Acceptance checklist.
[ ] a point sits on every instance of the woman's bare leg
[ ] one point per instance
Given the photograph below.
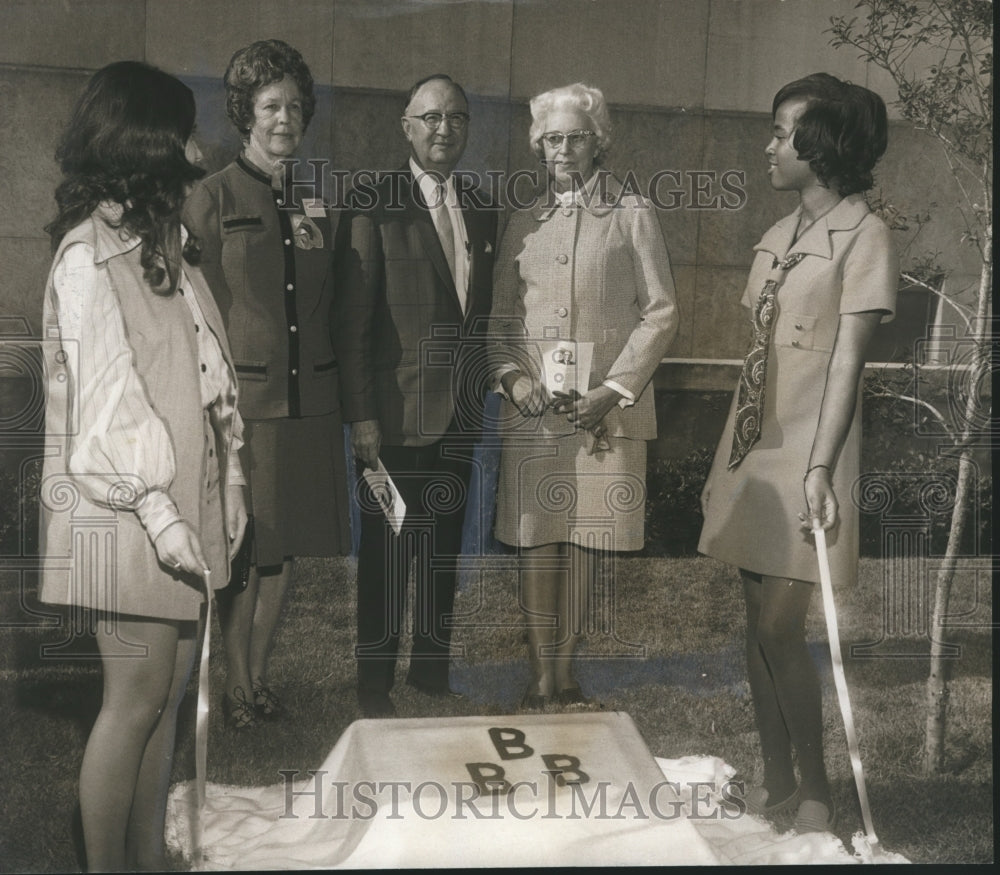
(540, 573)
(785, 686)
(139, 659)
(574, 602)
(236, 612)
(271, 593)
(149, 806)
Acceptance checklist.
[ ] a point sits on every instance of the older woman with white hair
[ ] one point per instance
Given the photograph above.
(584, 310)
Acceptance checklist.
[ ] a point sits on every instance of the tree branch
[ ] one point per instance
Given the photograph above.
(919, 402)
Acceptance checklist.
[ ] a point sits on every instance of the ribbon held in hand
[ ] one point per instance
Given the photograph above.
(600, 431)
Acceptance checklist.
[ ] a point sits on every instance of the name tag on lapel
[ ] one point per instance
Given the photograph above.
(314, 208)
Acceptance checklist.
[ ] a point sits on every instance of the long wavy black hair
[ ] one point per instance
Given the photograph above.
(842, 133)
(125, 144)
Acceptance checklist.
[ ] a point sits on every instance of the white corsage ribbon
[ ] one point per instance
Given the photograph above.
(306, 232)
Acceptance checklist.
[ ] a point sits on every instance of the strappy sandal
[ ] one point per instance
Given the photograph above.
(814, 816)
(265, 702)
(756, 802)
(240, 713)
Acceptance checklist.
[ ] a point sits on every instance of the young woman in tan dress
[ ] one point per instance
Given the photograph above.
(822, 280)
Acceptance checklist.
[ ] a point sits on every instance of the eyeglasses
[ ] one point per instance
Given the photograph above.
(554, 139)
(432, 120)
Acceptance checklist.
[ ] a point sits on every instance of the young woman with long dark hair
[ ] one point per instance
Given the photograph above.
(141, 502)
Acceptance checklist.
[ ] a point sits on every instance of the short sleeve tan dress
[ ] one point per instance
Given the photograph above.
(850, 266)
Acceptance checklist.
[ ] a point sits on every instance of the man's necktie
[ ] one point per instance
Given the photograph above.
(750, 397)
(447, 230)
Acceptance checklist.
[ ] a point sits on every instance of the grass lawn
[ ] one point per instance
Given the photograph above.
(666, 649)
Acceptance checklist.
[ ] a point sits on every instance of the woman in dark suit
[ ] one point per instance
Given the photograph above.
(269, 263)
(583, 273)
(141, 498)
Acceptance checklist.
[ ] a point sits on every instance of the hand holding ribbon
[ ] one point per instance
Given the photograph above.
(588, 411)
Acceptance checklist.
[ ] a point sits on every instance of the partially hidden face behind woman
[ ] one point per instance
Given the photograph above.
(192, 152)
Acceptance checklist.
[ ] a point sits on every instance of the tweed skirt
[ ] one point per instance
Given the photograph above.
(553, 491)
(297, 473)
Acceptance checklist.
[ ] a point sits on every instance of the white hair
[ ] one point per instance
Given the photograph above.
(590, 101)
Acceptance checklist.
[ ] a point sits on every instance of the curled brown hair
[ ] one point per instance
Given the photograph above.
(257, 65)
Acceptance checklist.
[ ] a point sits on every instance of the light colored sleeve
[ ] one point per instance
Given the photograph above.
(657, 302)
(235, 469)
(121, 456)
(871, 271)
(506, 326)
(627, 399)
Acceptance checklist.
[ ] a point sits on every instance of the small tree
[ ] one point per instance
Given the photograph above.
(951, 98)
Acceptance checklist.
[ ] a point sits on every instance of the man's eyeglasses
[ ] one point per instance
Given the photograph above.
(554, 139)
(432, 120)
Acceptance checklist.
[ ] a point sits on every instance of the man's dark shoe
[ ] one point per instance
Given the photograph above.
(376, 705)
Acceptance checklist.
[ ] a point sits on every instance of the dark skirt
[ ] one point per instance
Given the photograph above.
(297, 473)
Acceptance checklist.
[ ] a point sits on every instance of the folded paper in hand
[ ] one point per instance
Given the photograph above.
(566, 365)
(387, 495)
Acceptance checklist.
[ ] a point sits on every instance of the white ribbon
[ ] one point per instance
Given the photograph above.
(306, 232)
(201, 732)
(830, 610)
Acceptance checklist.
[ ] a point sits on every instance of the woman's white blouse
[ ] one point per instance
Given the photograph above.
(119, 433)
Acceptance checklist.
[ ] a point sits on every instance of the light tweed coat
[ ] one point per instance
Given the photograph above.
(595, 272)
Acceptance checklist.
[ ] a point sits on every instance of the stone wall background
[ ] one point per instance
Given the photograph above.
(690, 83)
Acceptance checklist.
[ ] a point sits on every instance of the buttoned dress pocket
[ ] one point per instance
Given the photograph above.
(796, 330)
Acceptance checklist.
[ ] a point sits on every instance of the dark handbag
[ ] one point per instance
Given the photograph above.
(239, 568)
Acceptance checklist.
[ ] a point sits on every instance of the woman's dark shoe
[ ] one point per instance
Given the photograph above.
(757, 799)
(814, 816)
(572, 697)
(265, 702)
(240, 713)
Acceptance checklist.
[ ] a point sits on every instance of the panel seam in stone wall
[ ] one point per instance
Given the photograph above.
(46, 68)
